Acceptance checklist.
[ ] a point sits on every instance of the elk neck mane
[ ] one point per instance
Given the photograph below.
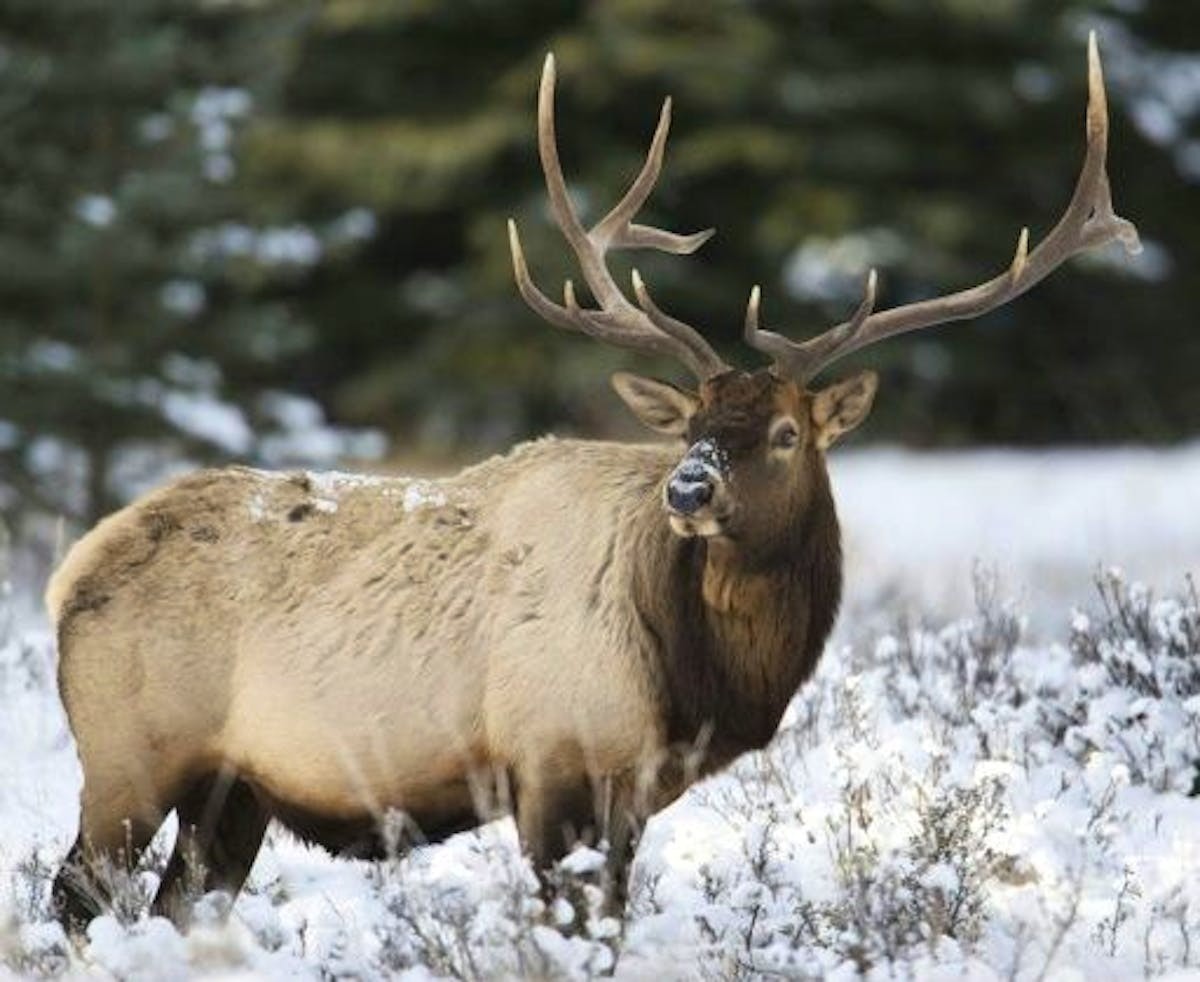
(735, 635)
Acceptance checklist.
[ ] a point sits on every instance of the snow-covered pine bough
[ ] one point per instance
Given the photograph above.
(574, 631)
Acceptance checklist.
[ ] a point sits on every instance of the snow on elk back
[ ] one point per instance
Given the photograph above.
(327, 488)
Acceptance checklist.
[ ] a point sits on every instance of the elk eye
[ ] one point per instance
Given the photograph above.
(784, 436)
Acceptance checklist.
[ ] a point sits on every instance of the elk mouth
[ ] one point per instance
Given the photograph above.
(696, 526)
(705, 523)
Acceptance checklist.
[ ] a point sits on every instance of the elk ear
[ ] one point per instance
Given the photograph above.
(659, 405)
(842, 406)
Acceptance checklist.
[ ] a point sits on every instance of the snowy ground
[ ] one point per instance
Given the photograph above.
(968, 788)
(915, 525)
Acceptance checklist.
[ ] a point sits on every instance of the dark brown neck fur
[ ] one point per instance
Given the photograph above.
(737, 635)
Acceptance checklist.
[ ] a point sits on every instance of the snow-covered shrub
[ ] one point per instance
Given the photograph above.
(894, 861)
(942, 800)
(948, 673)
(958, 794)
(35, 949)
(1125, 688)
(1137, 697)
(438, 919)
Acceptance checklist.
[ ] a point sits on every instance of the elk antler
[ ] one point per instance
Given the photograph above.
(1089, 221)
(643, 327)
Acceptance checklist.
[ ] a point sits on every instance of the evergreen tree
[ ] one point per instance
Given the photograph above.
(178, 257)
(142, 319)
(818, 137)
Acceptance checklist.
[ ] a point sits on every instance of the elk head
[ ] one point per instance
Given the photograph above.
(756, 440)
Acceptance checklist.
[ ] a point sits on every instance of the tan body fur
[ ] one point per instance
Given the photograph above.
(305, 633)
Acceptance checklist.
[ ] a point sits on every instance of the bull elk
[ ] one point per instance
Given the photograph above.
(568, 621)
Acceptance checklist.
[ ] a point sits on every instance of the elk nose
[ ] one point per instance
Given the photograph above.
(688, 491)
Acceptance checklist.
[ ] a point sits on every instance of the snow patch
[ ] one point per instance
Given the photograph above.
(208, 418)
(258, 507)
(332, 483)
(423, 494)
(97, 210)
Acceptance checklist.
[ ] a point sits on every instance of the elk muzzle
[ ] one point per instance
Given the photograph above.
(695, 492)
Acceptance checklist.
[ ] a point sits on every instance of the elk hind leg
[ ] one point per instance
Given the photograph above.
(95, 876)
(221, 828)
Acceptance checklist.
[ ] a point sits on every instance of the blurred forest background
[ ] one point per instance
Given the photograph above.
(274, 232)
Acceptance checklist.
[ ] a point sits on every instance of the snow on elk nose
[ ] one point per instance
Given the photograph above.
(688, 491)
(693, 483)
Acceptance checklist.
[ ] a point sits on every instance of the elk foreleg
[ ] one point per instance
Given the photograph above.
(552, 819)
(553, 816)
(555, 811)
(622, 835)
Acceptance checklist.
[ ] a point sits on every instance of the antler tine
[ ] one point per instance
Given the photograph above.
(617, 321)
(669, 325)
(623, 211)
(768, 342)
(784, 351)
(1087, 222)
(541, 304)
(590, 262)
(617, 228)
(596, 324)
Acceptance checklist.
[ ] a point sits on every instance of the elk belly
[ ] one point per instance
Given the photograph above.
(341, 742)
